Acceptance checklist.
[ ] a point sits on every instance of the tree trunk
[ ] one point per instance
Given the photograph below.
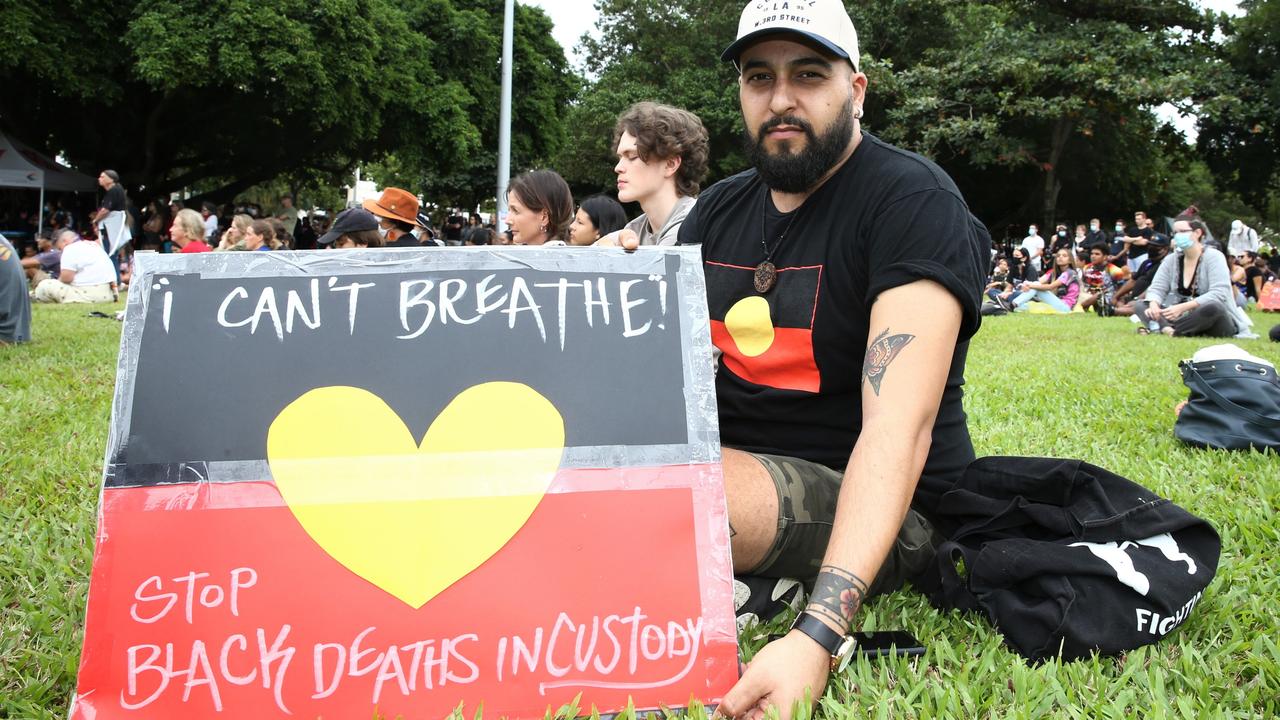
(1052, 183)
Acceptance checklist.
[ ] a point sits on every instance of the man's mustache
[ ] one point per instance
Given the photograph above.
(785, 120)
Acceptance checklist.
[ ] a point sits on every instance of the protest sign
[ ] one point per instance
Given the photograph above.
(400, 481)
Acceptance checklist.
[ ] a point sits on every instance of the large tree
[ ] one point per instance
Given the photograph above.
(1044, 110)
(1038, 109)
(227, 94)
(1240, 130)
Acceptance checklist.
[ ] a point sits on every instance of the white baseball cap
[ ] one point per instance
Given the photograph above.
(825, 22)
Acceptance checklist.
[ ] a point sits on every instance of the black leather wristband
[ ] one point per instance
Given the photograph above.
(819, 632)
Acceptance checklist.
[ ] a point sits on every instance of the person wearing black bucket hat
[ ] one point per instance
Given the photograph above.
(843, 281)
(353, 228)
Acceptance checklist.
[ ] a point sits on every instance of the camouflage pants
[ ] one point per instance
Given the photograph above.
(807, 494)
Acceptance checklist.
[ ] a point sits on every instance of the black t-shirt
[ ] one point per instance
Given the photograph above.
(789, 380)
(1132, 232)
(1252, 272)
(114, 199)
(1060, 242)
(453, 228)
(1143, 276)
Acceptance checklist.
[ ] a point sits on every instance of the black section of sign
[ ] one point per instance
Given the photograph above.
(121, 475)
(791, 304)
(208, 391)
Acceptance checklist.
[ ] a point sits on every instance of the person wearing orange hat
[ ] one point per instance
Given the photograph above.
(397, 212)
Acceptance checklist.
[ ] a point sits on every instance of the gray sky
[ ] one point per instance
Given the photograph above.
(571, 18)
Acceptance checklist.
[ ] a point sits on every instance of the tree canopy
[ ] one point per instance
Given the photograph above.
(1039, 110)
(1239, 136)
(227, 94)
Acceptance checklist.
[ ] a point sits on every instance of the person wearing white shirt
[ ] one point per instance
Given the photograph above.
(209, 212)
(1243, 239)
(87, 274)
(1033, 244)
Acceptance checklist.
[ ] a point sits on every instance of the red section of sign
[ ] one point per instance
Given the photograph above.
(211, 601)
(788, 364)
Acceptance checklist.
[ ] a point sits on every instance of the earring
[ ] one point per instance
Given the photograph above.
(857, 113)
(544, 228)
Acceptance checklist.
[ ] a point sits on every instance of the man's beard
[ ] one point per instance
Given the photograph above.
(795, 172)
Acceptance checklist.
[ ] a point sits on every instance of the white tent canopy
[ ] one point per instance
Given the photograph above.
(22, 167)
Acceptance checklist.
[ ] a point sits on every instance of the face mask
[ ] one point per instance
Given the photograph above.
(1094, 227)
(1182, 240)
(1031, 231)
(1062, 233)
(1119, 229)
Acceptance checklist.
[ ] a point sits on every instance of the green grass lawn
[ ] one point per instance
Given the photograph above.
(1076, 386)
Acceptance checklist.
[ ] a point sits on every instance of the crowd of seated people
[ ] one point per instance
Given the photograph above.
(1180, 284)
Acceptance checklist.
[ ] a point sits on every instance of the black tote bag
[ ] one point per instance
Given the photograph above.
(1233, 404)
(1066, 558)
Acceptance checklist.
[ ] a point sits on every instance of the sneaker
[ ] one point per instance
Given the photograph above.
(760, 599)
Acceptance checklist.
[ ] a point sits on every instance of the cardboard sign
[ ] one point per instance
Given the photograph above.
(401, 481)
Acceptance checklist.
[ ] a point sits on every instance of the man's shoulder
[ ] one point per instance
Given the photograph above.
(639, 225)
(731, 187)
(900, 170)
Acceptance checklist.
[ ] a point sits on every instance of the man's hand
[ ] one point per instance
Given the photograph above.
(779, 675)
(625, 238)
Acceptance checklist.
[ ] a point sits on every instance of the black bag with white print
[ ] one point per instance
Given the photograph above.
(1066, 558)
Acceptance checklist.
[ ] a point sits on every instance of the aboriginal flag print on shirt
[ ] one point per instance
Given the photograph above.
(766, 339)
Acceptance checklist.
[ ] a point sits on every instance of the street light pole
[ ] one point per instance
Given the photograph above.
(504, 116)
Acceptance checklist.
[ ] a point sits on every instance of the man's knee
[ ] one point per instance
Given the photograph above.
(48, 291)
(753, 508)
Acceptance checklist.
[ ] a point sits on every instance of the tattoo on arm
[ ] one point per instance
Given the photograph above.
(880, 353)
(837, 595)
(732, 531)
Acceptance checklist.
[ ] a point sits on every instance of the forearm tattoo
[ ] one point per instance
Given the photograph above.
(880, 353)
(837, 595)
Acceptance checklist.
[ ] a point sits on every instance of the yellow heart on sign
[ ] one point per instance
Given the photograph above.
(415, 518)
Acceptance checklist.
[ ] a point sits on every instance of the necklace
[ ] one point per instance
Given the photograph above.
(766, 274)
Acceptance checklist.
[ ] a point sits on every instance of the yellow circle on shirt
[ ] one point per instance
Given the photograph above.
(750, 326)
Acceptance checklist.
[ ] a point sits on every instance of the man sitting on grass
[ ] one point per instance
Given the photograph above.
(44, 264)
(825, 467)
(15, 306)
(1138, 283)
(1101, 278)
(87, 274)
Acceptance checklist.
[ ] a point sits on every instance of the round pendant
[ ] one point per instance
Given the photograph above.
(766, 276)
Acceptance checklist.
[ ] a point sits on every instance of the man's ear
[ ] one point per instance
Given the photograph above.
(671, 165)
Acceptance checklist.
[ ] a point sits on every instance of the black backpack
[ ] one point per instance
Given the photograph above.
(1066, 558)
